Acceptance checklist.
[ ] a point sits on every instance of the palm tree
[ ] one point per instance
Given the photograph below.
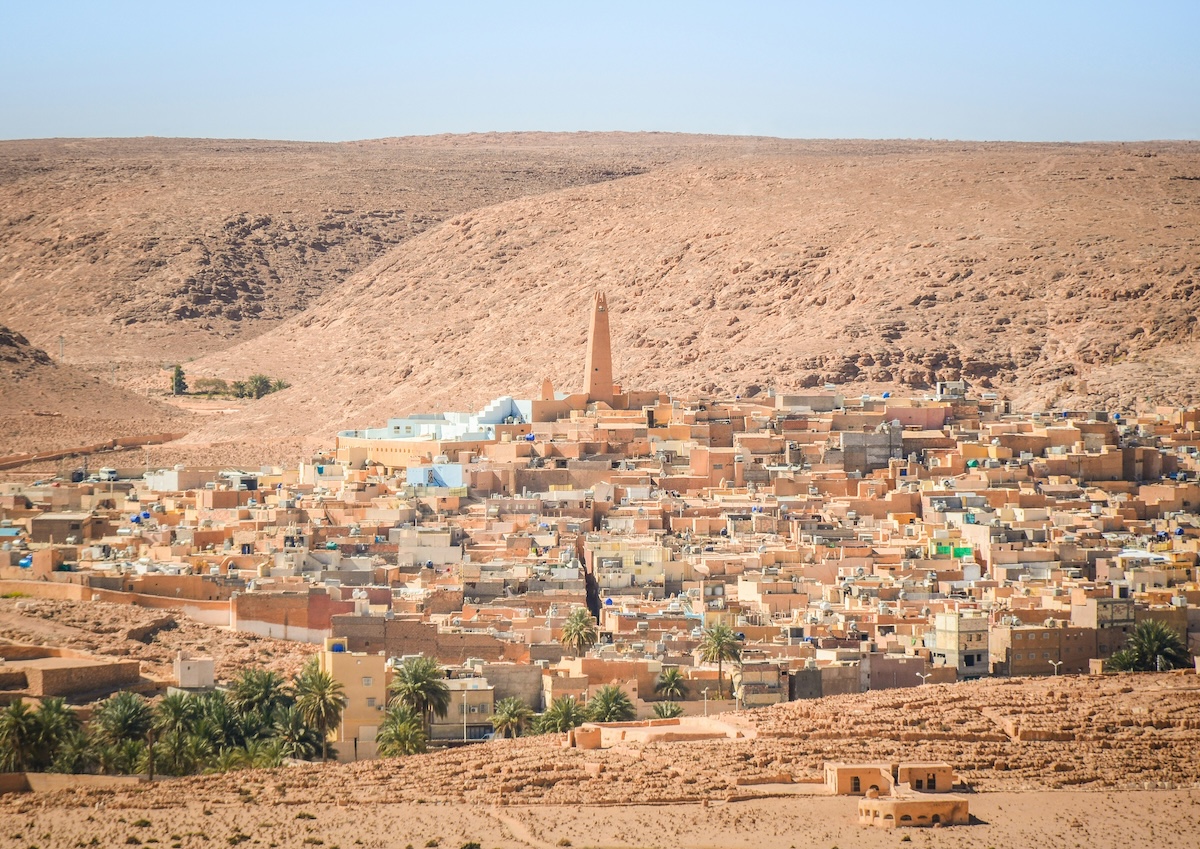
(76, 754)
(579, 631)
(671, 684)
(218, 722)
(176, 713)
(402, 732)
(1153, 646)
(418, 685)
(511, 717)
(264, 754)
(123, 717)
(55, 723)
(259, 691)
(611, 704)
(320, 700)
(668, 710)
(563, 714)
(295, 739)
(18, 737)
(718, 645)
(229, 760)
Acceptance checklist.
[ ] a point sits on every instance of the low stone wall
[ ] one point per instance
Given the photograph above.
(605, 735)
(47, 782)
(81, 677)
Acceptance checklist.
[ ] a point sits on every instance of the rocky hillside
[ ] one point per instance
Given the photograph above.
(45, 406)
(1055, 273)
(155, 250)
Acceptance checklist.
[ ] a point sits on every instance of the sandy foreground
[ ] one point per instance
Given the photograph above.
(1165, 818)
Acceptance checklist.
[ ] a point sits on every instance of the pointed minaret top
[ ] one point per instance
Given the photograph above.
(598, 377)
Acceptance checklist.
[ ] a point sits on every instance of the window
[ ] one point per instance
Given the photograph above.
(368, 682)
(371, 701)
(1046, 655)
(855, 785)
(1018, 636)
(1018, 655)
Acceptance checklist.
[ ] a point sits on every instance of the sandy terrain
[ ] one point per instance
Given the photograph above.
(1102, 820)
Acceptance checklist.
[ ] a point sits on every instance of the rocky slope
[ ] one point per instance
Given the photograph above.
(45, 405)
(157, 249)
(1056, 273)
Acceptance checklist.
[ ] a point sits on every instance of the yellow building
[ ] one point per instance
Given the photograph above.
(364, 678)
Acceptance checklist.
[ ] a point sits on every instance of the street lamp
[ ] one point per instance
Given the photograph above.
(1055, 664)
(706, 701)
(924, 676)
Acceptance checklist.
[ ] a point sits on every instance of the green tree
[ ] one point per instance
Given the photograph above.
(123, 717)
(563, 714)
(1153, 646)
(668, 710)
(218, 722)
(177, 713)
(259, 385)
(579, 631)
(611, 704)
(320, 700)
(418, 683)
(671, 684)
(296, 740)
(76, 754)
(264, 754)
(512, 717)
(402, 732)
(719, 644)
(229, 760)
(279, 385)
(55, 723)
(241, 389)
(18, 737)
(178, 382)
(182, 753)
(259, 691)
(212, 386)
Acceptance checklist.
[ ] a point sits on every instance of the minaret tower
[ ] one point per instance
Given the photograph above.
(598, 375)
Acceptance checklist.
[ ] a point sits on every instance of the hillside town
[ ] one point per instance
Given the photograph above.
(848, 544)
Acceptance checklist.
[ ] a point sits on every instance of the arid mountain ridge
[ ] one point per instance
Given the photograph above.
(1059, 274)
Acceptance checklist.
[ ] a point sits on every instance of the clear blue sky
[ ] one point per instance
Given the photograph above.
(1008, 69)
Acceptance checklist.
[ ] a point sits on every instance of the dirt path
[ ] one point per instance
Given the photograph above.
(519, 830)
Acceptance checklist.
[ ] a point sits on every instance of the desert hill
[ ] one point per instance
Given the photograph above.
(1056, 273)
(157, 249)
(47, 405)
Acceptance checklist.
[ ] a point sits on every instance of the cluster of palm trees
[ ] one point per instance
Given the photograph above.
(1152, 646)
(418, 694)
(261, 720)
